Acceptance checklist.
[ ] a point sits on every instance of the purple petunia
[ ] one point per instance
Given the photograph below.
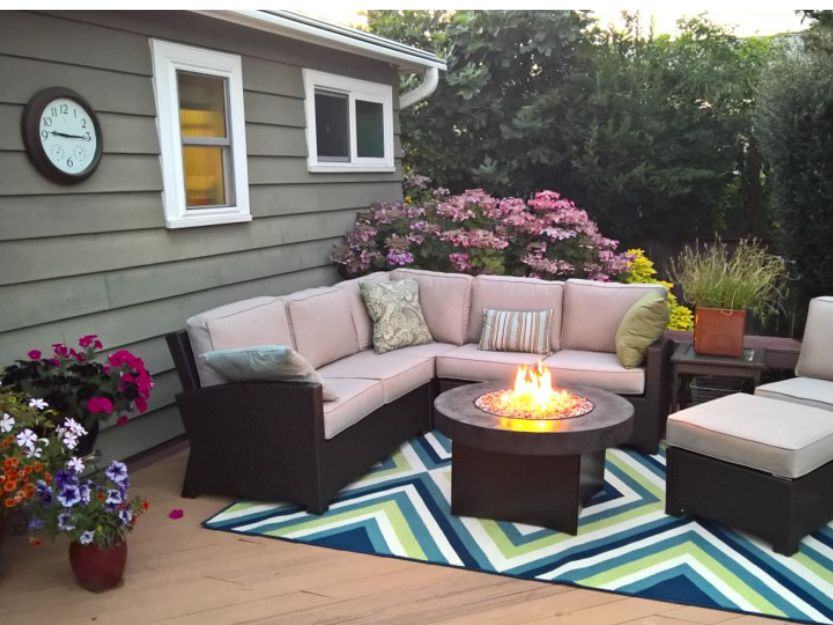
(65, 523)
(36, 523)
(85, 490)
(114, 496)
(64, 477)
(44, 493)
(125, 516)
(117, 471)
(86, 537)
(69, 495)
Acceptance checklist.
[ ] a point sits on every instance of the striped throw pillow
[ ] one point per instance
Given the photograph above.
(516, 331)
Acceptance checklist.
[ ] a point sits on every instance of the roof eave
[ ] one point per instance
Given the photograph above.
(332, 36)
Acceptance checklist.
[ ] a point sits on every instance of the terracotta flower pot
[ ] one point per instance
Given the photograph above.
(98, 569)
(719, 332)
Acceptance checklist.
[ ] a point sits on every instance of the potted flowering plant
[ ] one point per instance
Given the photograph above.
(76, 385)
(26, 456)
(95, 513)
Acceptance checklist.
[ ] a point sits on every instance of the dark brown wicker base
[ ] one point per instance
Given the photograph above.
(265, 440)
(547, 491)
(779, 510)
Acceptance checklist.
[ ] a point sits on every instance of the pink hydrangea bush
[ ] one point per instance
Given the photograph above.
(547, 236)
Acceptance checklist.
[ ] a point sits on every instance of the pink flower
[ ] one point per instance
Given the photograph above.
(122, 420)
(175, 514)
(60, 350)
(99, 405)
(141, 404)
(86, 341)
(34, 354)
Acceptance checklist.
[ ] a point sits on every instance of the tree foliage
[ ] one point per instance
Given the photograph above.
(651, 134)
(795, 123)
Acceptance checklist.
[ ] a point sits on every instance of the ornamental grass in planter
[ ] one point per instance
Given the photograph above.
(723, 285)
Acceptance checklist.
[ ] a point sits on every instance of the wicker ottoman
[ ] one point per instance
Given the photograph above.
(760, 465)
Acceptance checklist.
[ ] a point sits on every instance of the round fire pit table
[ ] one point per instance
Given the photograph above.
(535, 471)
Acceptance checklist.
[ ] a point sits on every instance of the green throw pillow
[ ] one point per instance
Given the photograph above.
(265, 363)
(643, 324)
(396, 314)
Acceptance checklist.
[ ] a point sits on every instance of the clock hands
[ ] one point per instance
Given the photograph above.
(63, 134)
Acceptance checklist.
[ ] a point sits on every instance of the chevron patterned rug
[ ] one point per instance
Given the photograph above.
(625, 544)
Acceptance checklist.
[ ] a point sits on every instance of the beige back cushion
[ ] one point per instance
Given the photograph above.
(816, 357)
(508, 293)
(445, 299)
(322, 324)
(251, 322)
(361, 320)
(593, 310)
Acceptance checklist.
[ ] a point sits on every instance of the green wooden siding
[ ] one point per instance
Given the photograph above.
(96, 257)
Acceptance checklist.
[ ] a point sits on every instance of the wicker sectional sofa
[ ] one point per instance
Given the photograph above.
(280, 441)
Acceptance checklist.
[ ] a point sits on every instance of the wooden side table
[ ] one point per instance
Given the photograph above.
(685, 361)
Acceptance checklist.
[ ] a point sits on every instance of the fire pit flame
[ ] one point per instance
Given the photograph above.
(534, 397)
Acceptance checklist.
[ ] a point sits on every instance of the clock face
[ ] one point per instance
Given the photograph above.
(68, 135)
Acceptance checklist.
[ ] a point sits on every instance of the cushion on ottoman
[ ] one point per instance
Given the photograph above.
(808, 391)
(781, 438)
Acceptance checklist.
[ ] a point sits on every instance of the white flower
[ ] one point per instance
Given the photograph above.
(73, 426)
(6, 423)
(27, 439)
(38, 403)
(70, 440)
(33, 452)
(75, 464)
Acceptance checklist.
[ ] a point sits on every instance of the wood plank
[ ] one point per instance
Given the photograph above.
(115, 173)
(122, 134)
(288, 199)
(33, 216)
(265, 140)
(272, 169)
(39, 259)
(106, 91)
(136, 323)
(265, 108)
(271, 77)
(62, 41)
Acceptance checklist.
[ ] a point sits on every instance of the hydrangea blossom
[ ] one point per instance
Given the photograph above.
(547, 236)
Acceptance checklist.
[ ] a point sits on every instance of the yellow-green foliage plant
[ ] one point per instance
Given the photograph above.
(641, 270)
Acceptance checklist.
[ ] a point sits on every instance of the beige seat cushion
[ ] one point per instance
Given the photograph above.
(322, 324)
(357, 399)
(815, 359)
(445, 299)
(470, 363)
(364, 326)
(808, 391)
(247, 323)
(784, 439)
(398, 374)
(593, 311)
(508, 293)
(599, 369)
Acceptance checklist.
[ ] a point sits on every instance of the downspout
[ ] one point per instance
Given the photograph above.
(430, 80)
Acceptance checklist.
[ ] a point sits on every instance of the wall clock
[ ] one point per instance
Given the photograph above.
(62, 135)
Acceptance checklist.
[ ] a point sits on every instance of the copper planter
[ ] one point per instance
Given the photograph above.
(719, 332)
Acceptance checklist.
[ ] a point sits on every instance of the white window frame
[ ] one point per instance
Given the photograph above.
(168, 58)
(354, 89)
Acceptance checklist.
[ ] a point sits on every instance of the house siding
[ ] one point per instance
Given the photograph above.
(96, 256)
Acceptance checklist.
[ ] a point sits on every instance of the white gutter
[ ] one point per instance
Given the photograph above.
(430, 79)
(332, 36)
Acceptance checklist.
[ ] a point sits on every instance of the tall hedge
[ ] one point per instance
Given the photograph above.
(794, 122)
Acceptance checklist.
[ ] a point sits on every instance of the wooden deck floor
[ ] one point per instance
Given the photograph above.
(178, 572)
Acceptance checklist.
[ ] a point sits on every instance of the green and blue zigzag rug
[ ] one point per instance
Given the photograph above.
(625, 544)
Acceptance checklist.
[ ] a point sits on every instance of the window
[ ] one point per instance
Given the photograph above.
(199, 104)
(349, 123)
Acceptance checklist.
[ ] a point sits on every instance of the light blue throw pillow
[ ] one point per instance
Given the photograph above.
(265, 363)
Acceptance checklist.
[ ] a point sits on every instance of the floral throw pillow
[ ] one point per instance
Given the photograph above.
(396, 314)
